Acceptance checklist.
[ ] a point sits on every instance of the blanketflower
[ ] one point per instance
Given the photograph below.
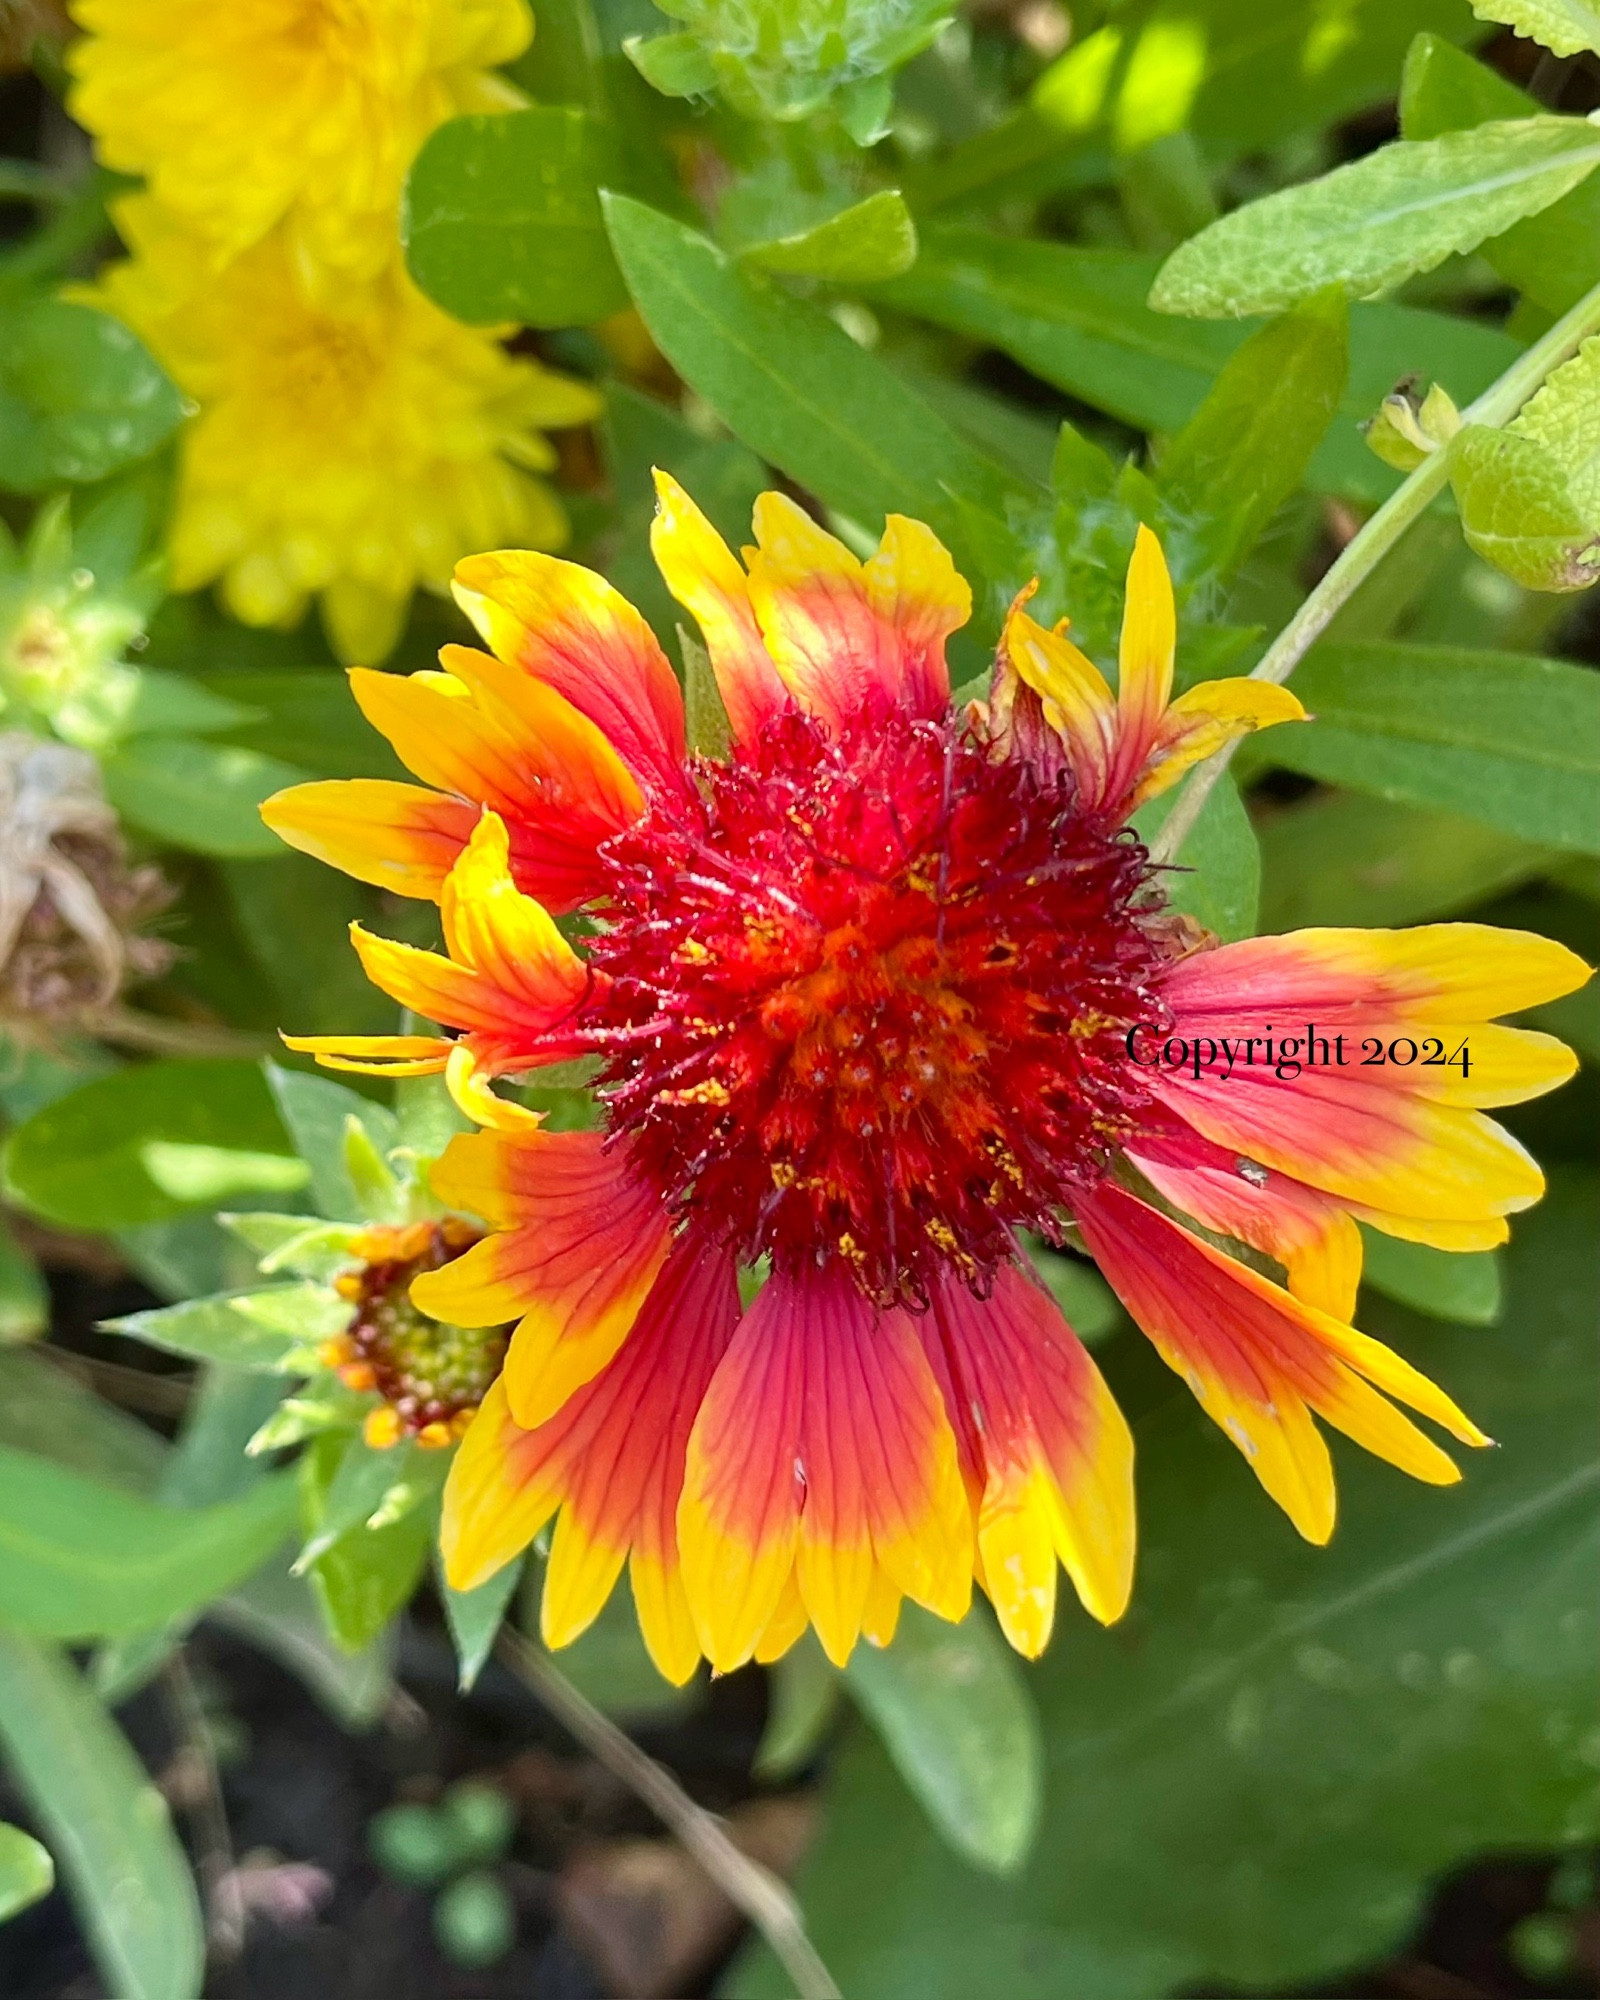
(859, 997)
(301, 112)
(347, 452)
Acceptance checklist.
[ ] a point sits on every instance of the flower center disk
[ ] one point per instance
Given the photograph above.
(871, 994)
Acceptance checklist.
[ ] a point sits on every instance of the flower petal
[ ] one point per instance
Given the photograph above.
(568, 628)
(1145, 654)
(822, 1454)
(844, 635)
(1046, 1452)
(578, 1241)
(704, 576)
(1202, 721)
(398, 836)
(377, 1055)
(1260, 1360)
(1313, 1237)
(1077, 702)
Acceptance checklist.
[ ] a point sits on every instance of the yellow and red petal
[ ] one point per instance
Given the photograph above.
(397, 836)
(1312, 1236)
(1443, 973)
(377, 1055)
(844, 635)
(1145, 654)
(508, 938)
(611, 1459)
(1046, 1453)
(548, 772)
(1260, 1361)
(571, 630)
(704, 575)
(1076, 699)
(1201, 722)
(579, 1239)
(822, 1455)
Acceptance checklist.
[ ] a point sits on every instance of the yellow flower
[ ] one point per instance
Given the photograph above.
(305, 112)
(350, 453)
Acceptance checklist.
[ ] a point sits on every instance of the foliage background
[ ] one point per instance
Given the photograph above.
(893, 259)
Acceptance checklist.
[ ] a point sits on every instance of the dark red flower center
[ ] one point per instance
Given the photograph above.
(872, 998)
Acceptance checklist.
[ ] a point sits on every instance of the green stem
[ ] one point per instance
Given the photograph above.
(22, 180)
(1498, 404)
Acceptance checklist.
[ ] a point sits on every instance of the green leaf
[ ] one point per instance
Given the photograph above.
(956, 1715)
(305, 718)
(1518, 510)
(1444, 1284)
(794, 387)
(1078, 319)
(380, 1194)
(1217, 879)
(1566, 27)
(195, 1174)
(1564, 418)
(1503, 738)
(80, 396)
(1402, 209)
(349, 1491)
(258, 1329)
(367, 1574)
(279, 1614)
(502, 220)
(314, 1109)
(475, 1617)
(875, 239)
(26, 1871)
(107, 1824)
(195, 795)
(24, 1298)
(45, 1411)
(1255, 1776)
(82, 1559)
(1247, 447)
(1344, 860)
(803, 1689)
(80, 1160)
(167, 704)
(1553, 257)
(1087, 1302)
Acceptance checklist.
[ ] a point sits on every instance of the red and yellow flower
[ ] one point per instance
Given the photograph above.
(864, 1000)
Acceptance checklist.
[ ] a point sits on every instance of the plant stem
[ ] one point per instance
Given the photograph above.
(748, 1886)
(1498, 404)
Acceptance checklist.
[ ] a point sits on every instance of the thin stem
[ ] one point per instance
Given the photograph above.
(24, 180)
(214, 1863)
(751, 1888)
(1498, 404)
(163, 1036)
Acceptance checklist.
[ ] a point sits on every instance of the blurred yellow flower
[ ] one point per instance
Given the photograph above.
(305, 112)
(349, 453)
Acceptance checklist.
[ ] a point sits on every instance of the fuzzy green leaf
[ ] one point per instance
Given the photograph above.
(1566, 27)
(1518, 510)
(475, 1617)
(211, 1330)
(1402, 209)
(315, 1109)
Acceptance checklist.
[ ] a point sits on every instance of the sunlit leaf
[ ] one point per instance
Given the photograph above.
(1402, 209)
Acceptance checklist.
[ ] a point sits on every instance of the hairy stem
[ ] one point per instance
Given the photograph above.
(748, 1886)
(1498, 404)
